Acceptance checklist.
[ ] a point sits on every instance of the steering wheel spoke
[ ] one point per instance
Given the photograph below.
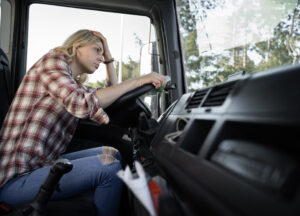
(125, 110)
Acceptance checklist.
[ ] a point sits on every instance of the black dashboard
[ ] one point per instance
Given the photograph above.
(232, 149)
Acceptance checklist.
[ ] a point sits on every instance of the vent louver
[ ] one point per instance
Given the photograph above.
(196, 99)
(218, 94)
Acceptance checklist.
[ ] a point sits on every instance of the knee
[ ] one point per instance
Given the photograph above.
(108, 175)
(111, 151)
(107, 159)
(110, 163)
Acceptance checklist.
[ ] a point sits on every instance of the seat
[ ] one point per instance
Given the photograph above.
(4, 86)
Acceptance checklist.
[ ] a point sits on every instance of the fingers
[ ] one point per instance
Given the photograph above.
(99, 35)
(154, 78)
(158, 80)
(107, 54)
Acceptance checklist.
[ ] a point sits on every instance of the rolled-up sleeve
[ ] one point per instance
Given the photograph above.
(55, 76)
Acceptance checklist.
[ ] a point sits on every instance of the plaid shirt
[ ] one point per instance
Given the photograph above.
(43, 117)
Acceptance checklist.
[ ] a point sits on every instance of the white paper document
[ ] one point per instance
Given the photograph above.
(138, 186)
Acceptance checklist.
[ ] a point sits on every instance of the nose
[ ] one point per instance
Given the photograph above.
(100, 59)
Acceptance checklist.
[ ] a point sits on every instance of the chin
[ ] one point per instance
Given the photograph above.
(90, 71)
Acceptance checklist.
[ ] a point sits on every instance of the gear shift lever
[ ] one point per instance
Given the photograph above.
(38, 206)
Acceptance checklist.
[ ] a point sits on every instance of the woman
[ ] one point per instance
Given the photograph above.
(43, 117)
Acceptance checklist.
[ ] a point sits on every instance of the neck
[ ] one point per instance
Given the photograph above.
(74, 68)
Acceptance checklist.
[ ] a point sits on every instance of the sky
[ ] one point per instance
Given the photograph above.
(226, 27)
(49, 26)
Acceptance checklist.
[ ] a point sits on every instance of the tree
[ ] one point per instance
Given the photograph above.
(129, 70)
(280, 47)
(97, 84)
(188, 14)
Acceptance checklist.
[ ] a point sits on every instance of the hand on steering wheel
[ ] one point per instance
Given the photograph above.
(154, 78)
(146, 83)
(130, 99)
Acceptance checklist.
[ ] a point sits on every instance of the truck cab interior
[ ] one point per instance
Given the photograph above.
(221, 139)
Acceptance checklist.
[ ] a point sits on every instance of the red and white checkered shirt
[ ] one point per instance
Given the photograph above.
(43, 117)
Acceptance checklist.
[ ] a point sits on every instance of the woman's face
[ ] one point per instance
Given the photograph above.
(89, 57)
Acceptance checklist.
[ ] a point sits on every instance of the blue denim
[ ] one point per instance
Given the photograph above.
(88, 173)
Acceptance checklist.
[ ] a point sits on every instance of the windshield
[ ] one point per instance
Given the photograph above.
(223, 37)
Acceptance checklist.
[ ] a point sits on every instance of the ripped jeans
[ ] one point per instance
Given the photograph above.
(93, 169)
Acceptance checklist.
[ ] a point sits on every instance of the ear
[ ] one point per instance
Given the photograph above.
(76, 48)
(77, 51)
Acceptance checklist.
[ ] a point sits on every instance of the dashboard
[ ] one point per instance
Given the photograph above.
(232, 149)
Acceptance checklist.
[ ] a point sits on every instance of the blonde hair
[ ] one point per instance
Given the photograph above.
(78, 39)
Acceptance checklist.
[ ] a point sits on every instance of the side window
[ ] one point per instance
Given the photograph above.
(5, 25)
(128, 37)
(149, 62)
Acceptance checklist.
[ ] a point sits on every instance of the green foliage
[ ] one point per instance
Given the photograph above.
(129, 70)
(97, 84)
(206, 69)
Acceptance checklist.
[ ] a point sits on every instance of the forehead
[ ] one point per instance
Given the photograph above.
(99, 44)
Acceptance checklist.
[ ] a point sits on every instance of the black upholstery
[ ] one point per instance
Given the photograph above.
(76, 206)
(4, 86)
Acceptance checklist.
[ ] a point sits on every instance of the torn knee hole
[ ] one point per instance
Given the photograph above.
(107, 159)
(109, 150)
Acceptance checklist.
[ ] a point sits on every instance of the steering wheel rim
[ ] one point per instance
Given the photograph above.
(135, 93)
(126, 109)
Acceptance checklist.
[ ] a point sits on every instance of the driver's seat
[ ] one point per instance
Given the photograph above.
(4, 86)
(76, 206)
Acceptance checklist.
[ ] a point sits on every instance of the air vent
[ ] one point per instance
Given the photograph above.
(218, 94)
(196, 99)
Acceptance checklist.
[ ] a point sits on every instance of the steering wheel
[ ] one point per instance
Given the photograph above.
(125, 110)
(135, 93)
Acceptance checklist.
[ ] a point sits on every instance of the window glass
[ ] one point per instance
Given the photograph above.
(126, 35)
(0, 13)
(5, 25)
(223, 37)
